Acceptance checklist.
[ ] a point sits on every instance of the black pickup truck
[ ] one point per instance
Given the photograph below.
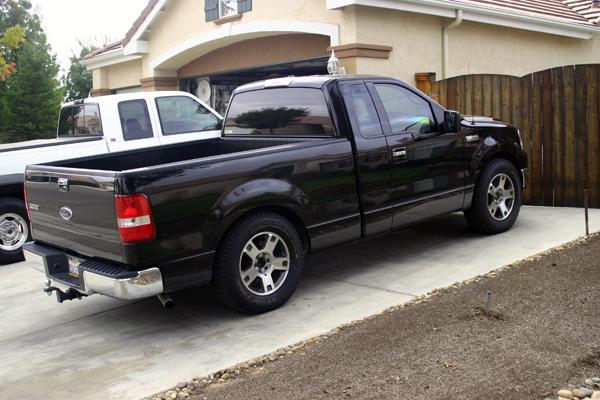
(302, 164)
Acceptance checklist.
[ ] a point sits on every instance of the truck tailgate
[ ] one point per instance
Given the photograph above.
(74, 210)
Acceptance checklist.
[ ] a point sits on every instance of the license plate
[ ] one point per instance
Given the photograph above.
(74, 264)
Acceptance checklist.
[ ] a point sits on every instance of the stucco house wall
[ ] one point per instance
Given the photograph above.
(180, 40)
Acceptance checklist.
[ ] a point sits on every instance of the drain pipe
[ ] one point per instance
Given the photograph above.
(452, 25)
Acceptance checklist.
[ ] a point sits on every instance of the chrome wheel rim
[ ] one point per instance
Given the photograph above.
(501, 197)
(13, 231)
(264, 263)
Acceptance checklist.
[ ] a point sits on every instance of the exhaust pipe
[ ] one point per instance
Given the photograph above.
(166, 301)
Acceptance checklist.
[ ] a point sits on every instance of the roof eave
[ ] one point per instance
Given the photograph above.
(485, 15)
(111, 57)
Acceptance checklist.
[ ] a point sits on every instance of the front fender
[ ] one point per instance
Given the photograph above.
(502, 143)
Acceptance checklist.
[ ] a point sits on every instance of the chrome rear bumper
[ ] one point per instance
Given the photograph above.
(119, 283)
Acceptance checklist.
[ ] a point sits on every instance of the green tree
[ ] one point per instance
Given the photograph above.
(35, 95)
(30, 100)
(78, 82)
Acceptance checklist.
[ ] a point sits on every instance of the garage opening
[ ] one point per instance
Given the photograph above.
(216, 89)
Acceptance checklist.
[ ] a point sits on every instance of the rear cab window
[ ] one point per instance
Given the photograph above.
(279, 112)
(80, 121)
(135, 120)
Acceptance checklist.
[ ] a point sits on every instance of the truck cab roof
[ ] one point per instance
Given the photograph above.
(312, 81)
(115, 98)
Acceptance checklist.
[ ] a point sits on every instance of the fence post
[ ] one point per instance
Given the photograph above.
(585, 205)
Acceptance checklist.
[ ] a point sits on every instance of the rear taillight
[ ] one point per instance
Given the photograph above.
(26, 202)
(134, 218)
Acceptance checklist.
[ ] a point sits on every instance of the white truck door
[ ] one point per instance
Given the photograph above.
(182, 118)
(128, 125)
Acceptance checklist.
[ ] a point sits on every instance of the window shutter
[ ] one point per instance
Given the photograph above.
(211, 10)
(244, 5)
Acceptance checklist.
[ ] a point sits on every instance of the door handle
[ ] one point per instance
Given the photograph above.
(472, 138)
(399, 153)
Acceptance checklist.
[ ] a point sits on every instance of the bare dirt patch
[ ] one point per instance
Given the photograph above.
(539, 332)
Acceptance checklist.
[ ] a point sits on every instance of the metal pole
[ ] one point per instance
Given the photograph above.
(585, 205)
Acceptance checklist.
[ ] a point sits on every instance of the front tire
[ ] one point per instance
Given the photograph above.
(496, 199)
(14, 230)
(258, 263)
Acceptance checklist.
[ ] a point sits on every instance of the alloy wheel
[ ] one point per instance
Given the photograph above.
(264, 263)
(501, 197)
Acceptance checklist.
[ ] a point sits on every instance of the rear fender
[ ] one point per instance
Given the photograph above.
(254, 194)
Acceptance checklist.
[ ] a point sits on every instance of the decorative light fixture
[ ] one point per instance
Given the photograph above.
(333, 64)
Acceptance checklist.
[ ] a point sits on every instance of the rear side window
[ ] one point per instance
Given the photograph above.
(80, 120)
(180, 114)
(365, 112)
(135, 120)
(279, 112)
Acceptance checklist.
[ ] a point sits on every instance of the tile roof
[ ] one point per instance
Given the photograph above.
(584, 7)
(139, 21)
(104, 49)
(570, 11)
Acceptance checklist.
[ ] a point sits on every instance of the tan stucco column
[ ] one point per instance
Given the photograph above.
(156, 83)
(100, 92)
(351, 52)
(100, 85)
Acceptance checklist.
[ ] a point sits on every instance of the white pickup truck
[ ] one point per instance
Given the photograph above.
(95, 126)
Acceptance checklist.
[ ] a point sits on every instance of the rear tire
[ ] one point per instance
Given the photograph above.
(496, 199)
(14, 230)
(258, 263)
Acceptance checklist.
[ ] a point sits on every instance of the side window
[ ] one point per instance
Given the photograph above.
(406, 111)
(181, 114)
(135, 120)
(364, 109)
(81, 120)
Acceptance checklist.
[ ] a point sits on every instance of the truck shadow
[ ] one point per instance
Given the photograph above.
(388, 263)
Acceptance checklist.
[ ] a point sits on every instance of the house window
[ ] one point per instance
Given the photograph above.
(227, 8)
(215, 9)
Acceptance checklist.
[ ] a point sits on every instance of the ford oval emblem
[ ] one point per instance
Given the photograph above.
(65, 213)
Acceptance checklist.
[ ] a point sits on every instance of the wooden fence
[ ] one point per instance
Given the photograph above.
(558, 113)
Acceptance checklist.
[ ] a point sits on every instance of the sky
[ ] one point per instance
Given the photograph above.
(66, 21)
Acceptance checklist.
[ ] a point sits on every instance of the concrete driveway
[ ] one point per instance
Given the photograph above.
(101, 348)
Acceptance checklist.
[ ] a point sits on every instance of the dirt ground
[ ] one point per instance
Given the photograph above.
(543, 334)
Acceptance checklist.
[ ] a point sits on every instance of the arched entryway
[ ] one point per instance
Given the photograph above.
(213, 64)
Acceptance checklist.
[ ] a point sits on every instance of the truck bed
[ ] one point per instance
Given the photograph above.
(188, 184)
(154, 156)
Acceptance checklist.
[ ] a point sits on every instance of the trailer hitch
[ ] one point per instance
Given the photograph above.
(61, 296)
